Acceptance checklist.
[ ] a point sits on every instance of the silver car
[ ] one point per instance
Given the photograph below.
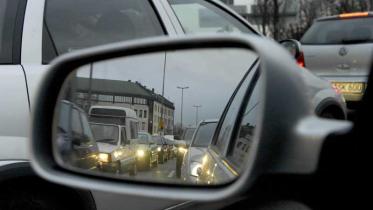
(194, 156)
(339, 49)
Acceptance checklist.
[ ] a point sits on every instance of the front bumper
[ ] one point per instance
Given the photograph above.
(111, 167)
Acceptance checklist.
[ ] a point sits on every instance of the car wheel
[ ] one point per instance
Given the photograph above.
(161, 159)
(155, 163)
(133, 171)
(119, 169)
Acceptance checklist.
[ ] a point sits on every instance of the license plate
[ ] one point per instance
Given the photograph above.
(350, 87)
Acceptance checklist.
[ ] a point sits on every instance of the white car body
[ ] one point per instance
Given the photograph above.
(19, 84)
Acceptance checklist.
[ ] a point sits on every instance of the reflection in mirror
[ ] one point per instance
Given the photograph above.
(152, 117)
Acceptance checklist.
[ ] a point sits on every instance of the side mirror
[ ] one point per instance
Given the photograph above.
(294, 47)
(250, 79)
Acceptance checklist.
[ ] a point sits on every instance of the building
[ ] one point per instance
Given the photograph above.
(148, 105)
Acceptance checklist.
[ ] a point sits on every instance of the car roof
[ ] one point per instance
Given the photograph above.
(346, 16)
(129, 112)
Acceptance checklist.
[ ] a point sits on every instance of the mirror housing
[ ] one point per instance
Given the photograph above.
(295, 49)
(286, 123)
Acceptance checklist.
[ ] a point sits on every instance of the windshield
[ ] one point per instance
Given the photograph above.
(105, 133)
(142, 138)
(358, 30)
(75, 24)
(204, 135)
(158, 140)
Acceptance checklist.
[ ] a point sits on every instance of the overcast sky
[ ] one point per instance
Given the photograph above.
(211, 75)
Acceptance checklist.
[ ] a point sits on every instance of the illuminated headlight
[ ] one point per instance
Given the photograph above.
(204, 160)
(140, 153)
(194, 168)
(117, 154)
(104, 157)
(159, 149)
(182, 150)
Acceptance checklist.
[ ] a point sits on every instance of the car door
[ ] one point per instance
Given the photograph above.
(14, 105)
(224, 158)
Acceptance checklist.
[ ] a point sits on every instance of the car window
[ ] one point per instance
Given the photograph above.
(204, 135)
(75, 24)
(240, 150)
(86, 128)
(188, 135)
(226, 127)
(64, 123)
(105, 133)
(158, 140)
(10, 30)
(341, 31)
(124, 140)
(134, 129)
(197, 16)
(76, 124)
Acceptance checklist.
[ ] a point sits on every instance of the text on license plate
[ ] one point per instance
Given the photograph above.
(349, 87)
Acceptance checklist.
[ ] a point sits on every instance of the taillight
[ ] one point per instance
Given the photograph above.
(300, 60)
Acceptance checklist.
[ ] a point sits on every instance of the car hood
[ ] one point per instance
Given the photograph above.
(106, 148)
(179, 143)
(145, 146)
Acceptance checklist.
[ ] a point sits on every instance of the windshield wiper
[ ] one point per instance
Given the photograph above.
(356, 41)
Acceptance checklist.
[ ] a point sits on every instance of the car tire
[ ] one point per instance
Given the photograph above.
(133, 171)
(119, 168)
(161, 159)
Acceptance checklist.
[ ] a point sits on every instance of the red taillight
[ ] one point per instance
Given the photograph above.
(300, 60)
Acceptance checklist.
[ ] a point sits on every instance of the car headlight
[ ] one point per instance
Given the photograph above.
(140, 153)
(117, 154)
(204, 160)
(182, 150)
(194, 167)
(159, 149)
(104, 157)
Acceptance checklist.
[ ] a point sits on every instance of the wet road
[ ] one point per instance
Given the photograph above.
(163, 172)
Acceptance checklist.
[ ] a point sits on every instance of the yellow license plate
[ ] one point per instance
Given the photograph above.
(350, 87)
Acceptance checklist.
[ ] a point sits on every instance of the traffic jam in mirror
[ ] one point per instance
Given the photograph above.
(137, 120)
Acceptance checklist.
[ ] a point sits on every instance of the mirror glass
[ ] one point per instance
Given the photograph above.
(152, 117)
(292, 47)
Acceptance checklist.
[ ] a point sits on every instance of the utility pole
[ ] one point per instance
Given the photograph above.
(197, 107)
(90, 87)
(182, 103)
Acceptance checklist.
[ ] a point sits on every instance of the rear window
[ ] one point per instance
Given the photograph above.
(204, 135)
(76, 24)
(343, 31)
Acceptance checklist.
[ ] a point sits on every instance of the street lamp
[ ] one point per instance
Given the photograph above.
(197, 107)
(182, 103)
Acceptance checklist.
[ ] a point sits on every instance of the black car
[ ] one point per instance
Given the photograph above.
(164, 150)
(75, 140)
